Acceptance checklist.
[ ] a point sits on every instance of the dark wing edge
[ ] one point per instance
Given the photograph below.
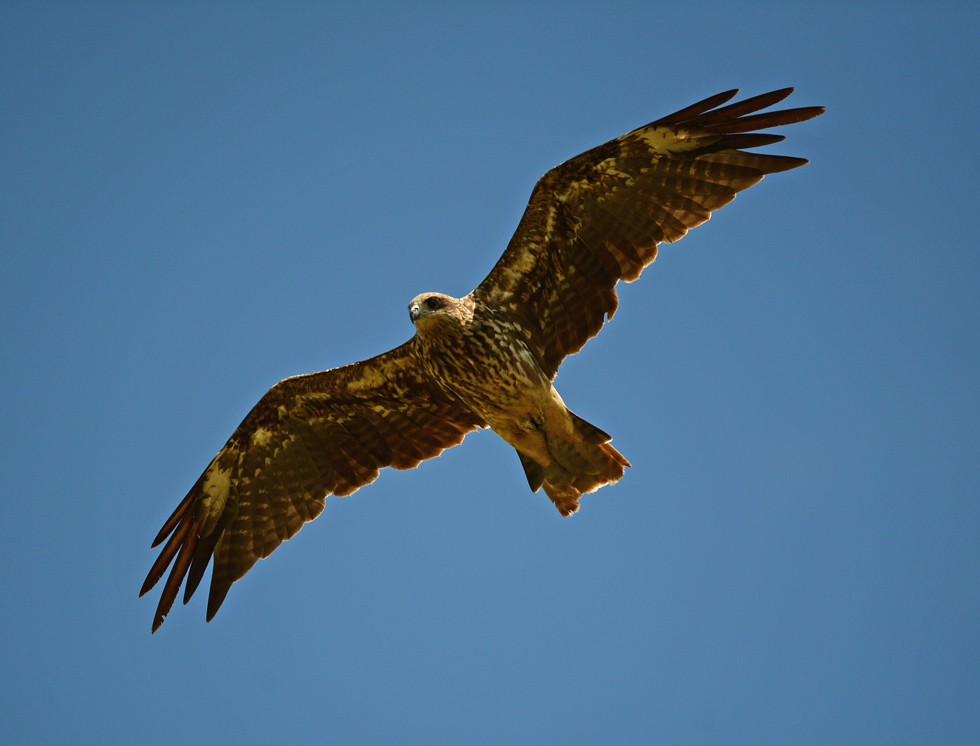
(309, 437)
(598, 218)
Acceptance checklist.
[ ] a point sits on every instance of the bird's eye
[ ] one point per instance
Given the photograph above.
(432, 303)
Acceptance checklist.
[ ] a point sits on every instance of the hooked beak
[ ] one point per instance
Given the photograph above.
(414, 312)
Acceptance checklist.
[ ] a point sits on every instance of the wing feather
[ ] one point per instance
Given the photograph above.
(307, 438)
(599, 217)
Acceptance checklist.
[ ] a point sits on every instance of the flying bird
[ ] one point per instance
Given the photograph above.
(485, 360)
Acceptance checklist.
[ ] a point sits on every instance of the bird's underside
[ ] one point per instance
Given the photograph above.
(485, 360)
(481, 357)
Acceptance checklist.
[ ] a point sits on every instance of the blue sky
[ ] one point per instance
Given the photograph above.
(197, 202)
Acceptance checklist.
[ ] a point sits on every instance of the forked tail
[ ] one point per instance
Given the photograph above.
(577, 467)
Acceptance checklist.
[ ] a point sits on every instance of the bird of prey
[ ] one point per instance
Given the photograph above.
(485, 360)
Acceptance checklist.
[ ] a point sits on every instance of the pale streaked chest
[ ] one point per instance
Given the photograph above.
(489, 367)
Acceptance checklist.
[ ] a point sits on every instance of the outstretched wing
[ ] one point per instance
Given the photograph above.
(309, 437)
(598, 217)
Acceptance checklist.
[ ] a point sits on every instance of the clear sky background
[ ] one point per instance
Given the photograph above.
(197, 202)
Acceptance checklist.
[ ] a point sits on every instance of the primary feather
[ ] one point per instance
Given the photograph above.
(485, 360)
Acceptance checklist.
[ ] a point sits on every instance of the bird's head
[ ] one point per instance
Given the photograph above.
(432, 310)
(427, 304)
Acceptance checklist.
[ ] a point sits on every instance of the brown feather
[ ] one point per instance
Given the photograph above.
(171, 548)
(307, 438)
(172, 586)
(766, 120)
(694, 110)
(739, 109)
(178, 515)
(617, 201)
(594, 220)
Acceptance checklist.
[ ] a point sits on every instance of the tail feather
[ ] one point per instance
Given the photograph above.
(577, 458)
(533, 471)
(578, 467)
(590, 432)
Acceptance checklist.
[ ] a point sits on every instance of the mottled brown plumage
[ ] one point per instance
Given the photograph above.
(486, 360)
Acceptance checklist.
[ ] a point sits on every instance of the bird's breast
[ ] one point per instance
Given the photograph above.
(490, 368)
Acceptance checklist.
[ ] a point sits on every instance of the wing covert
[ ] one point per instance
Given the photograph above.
(310, 436)
(597, 218)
